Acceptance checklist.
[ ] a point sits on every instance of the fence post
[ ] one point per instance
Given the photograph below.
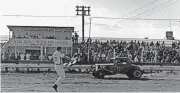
(114, 53)
(142, 54)
(17, 68)
(28, 69)
(49, 69)
(38, 69)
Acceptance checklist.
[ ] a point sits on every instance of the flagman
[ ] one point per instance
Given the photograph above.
(57, 58)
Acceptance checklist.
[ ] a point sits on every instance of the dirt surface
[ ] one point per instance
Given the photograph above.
(43, 82)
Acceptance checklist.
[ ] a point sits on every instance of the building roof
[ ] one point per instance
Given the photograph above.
(15, 27)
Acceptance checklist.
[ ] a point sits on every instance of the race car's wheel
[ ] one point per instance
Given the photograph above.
(137, 73)
(94, 74)
(98, 74)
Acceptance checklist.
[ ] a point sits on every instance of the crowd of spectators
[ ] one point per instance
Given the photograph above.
(39, 36)
(137, 51)
(98, 51)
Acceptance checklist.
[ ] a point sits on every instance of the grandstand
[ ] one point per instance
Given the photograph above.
(103, 48)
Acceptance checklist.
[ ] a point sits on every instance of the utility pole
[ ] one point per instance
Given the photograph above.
(89, 39)
(85, 11)
(90, 27)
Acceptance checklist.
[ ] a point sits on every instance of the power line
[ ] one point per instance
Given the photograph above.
(139, 8)
(162, 8)
(131, 18)
(36, 16)
(147, 10)
(104, 25)
(159, 6)
(96, 17)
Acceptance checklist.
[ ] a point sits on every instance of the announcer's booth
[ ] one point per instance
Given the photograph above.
(37, 42)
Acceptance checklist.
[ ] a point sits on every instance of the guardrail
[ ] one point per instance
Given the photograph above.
(50, 66)
(89, 63)
(5, 67)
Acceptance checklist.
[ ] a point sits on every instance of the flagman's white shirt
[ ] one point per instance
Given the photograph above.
(57, 57)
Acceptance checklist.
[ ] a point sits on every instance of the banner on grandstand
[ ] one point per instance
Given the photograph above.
(40, 42)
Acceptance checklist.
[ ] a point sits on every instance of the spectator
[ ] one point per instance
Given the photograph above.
(26, 36)
(50, 57)
(96, 57)
(73, 39)
(22, 56)
(76, 38)
(89, 40)
(18, 56)
(151, 45)
(42, 57)
(39, 36)
(163, 45)
(53, 37)
(136, 59)
(103, 56)
(2, 56)
(173, 45)
(28, 56)
(157, 44)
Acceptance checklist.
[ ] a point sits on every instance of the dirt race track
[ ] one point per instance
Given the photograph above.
(42, 82)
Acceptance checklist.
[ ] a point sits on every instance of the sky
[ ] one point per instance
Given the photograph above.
(153, 9)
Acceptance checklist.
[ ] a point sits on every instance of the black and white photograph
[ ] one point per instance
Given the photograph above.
(90, 45)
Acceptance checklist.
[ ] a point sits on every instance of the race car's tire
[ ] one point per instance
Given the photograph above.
(134, 74)
(137, 73)
(99, 74)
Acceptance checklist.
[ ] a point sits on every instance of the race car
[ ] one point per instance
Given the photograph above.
(121, 65)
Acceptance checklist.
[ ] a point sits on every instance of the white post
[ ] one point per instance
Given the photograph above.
(54, 32)
(41, 52)
(71, 51)
(45, 56)
(142, 54)
(89, 38)
(15, 52)
(88, 53)
(114, 52)
(45, 50)
(66, 50)
(155, 56)
(3, 50)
